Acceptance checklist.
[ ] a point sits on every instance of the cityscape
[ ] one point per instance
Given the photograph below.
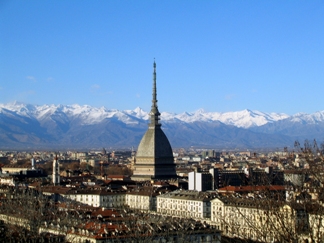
(160, 194)
(78, 166)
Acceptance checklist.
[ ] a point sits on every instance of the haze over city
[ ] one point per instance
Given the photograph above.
(216, 55)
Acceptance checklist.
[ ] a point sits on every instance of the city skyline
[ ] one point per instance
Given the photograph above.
(218, 56)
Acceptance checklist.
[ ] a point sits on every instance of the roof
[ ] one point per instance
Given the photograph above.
(189, 195)
(17, 166)
(232, 189)
(155, 144)
(105, 213)
(117, 176)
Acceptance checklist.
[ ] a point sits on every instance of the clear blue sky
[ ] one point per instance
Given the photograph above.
(216, 55)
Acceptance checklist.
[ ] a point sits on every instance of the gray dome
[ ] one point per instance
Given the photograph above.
(154, 144)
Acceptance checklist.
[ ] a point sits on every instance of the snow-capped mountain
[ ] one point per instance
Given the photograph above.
(76, 126)
(244, 119)
(93, 115)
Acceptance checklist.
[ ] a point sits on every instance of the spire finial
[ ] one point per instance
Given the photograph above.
(154, 109)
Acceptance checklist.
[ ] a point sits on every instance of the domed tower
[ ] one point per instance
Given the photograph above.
(154, 157)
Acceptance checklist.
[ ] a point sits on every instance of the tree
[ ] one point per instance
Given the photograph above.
(23, 213)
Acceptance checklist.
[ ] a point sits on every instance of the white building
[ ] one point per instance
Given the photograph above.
(187, 204)
(200, 181)
(56, 171)
(92, 196)
(8, 180)
(142, 199)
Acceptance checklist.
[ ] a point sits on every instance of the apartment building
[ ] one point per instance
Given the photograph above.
(92, 196)
(263, 220)
(142, 198)
(186, 204)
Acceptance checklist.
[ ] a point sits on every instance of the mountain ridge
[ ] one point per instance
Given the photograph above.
(92, 114)
(78, 126)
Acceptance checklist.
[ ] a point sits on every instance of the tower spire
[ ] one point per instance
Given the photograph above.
(155, 114)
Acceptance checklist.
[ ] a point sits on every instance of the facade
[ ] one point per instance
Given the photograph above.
(263, 220)
(15, 169)
(144, 200)
(200, 181)
(95, 196)
(19, 172)
(243, 219)
(185, 204)
(154, 157)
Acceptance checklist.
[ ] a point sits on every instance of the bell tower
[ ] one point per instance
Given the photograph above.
(56, 171)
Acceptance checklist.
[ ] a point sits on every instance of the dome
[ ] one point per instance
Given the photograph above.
(154, 144)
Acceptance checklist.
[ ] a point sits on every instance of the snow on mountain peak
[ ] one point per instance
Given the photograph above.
(91, 115)
(308, 118)
(245, 118)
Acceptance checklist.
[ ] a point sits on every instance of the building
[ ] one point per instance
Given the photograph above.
(262, 220)
(56, 171)
(154, 158)
(20, 172)
(92, 196)
(143, 198)
(200, 181)
(185, 204)
(249, 176)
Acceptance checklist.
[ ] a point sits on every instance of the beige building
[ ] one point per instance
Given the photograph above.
(259, 219)
(92, 196)
(15, 169)
(142, 199)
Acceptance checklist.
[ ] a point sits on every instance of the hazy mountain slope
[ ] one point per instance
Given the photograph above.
(217, 134)
(300, 126)
(16, 130)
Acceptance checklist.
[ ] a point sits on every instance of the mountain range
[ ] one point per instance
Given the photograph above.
(26, 126)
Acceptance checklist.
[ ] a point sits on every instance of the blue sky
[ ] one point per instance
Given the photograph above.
(216, 55)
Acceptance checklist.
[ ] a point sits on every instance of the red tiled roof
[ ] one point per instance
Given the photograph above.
(104, 212)
(117, 176)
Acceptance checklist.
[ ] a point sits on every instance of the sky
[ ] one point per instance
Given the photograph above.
(215, 55)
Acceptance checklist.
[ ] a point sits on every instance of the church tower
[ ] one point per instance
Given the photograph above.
(154, 157)
(56, 171)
